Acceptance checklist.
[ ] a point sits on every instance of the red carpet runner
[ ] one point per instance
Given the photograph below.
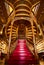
(21, 56)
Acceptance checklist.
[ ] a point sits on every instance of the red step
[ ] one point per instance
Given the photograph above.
(22, 55)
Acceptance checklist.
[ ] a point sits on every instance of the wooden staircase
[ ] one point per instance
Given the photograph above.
(13, 32)
(29, 33)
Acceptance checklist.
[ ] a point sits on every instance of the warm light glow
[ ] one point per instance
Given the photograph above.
(0, 32)
(10, 8)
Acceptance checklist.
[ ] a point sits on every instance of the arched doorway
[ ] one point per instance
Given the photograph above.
(21, 31)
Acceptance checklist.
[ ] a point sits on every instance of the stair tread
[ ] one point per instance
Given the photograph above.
(21, 53)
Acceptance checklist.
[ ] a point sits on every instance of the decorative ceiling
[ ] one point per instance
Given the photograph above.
(16, 4)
